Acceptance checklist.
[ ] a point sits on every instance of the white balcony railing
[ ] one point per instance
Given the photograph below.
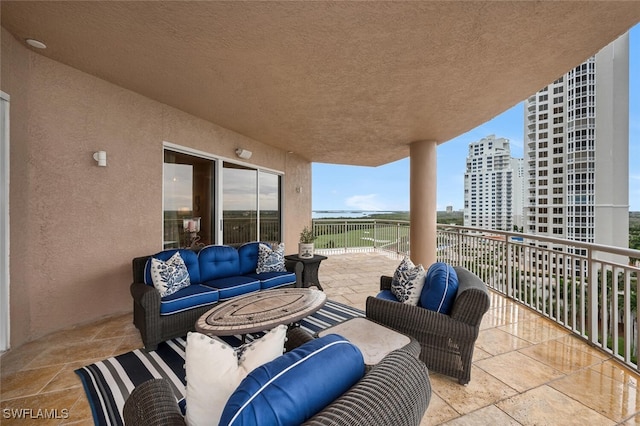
(589, 289)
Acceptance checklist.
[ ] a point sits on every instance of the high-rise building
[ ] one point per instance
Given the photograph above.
(493, 186)
(577, 152)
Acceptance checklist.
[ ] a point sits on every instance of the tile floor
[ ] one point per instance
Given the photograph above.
(527, 371)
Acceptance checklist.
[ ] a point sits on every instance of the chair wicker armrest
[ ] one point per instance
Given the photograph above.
(385, 283)
(397, 391)
(296, 336)
(152, 403)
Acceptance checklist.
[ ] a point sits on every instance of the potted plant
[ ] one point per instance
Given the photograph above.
(305, 247)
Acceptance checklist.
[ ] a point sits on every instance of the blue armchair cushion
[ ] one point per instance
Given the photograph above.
(295, 386)
(440, 288)
(189, 258)
(387, 295)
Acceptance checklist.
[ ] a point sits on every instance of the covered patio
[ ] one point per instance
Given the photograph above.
(527, 370)
(362, 83)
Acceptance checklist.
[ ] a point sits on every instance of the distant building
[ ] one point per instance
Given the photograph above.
(577, 150)
(493, 186)
(449, 209)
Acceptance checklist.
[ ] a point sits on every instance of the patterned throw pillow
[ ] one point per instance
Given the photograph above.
(170, 276)
(407, 282)
(270, 260)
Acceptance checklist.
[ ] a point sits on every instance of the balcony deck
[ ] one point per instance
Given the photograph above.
(527, 370)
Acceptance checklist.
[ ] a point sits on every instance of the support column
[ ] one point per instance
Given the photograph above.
(423, 204)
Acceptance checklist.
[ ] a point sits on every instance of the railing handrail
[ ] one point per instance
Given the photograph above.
(589, 289)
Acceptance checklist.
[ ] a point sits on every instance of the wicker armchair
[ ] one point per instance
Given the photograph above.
(447, 341)
(396, 392)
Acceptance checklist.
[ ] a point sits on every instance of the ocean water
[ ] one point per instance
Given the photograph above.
(332, 214)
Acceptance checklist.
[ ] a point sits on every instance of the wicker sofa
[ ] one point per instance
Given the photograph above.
(397, 392)
(447, 341)
(217, 273)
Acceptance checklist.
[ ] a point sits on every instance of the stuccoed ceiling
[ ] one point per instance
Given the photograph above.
(335, 82)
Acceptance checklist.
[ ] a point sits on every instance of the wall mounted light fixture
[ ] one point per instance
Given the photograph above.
(243, 153)
(101, 158)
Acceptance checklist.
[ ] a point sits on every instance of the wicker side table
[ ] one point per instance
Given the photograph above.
(310, 271)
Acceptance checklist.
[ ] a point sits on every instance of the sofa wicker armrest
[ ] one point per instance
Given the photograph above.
(296, 336)
(152, 403)
(146, 295)
(297, 267)
(385, 282)
(397, 391)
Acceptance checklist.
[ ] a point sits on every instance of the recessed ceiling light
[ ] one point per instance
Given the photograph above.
(35, 43)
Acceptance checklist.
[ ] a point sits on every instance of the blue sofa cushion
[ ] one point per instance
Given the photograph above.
(234, 286)
(295, 386)
(218, 262)
(387, 295)
(440, 288)
(188, 256)
(189, 297)
(274, 279)
(248, 254)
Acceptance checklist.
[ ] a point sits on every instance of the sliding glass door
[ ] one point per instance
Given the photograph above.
(249, 199)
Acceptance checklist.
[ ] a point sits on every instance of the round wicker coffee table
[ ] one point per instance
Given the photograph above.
(264, 310)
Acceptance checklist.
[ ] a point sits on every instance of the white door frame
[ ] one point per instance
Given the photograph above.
(4, 223)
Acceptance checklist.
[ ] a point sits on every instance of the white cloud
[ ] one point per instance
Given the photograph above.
(364, 202)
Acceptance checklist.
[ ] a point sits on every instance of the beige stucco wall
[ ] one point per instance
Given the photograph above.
(74, 226)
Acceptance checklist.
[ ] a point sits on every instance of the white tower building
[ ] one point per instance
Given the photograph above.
(493, 186)
(577, 152)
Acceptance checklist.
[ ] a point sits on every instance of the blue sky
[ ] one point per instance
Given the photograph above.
(338, 187)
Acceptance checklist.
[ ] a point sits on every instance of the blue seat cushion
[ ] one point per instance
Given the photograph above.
(187, 298)
(274, 279)
(440, 288)
(234, 286)
(218, 262)
(295, 386)
(189, 257)
(387, 295)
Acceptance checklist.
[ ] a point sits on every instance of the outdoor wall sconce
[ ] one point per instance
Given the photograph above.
(101, 158)
(243, 153)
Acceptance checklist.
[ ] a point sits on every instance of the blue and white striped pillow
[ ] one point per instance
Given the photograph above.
(270, 260)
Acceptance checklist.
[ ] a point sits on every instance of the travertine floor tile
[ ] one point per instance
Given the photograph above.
(613, 369)
(518, 371)
(490, 415)
(483, 389)
(535, 331)
(27, 382)
(438, 412)
(560, 356)
(546, 406)
(495, 341)
(615, 400)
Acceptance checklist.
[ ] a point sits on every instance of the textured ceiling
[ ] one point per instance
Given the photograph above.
(335, 82)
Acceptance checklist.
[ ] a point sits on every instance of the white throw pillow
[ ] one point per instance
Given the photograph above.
(213, 371)
(408, 281)
(170, 276)
(270, 260)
